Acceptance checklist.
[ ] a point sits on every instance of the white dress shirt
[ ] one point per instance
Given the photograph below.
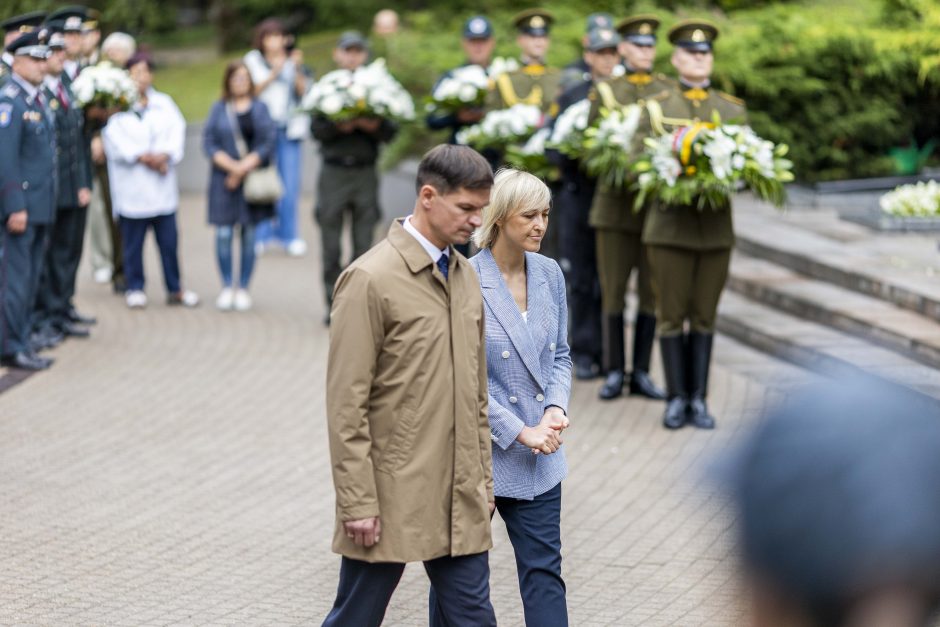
(431, 249)
(136, 190)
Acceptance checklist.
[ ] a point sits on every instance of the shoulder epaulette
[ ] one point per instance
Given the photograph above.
(730, 98)
(10, 90)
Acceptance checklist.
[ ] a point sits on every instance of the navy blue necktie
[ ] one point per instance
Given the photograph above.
(442, 265)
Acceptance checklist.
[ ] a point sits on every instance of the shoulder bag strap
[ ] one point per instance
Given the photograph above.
(240, 144)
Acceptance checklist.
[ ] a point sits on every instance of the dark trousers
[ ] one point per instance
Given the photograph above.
(345, 190)
(461, 586)
(688, 285)
(535, 532)
(579, 262)
(133, 232)
(618, 253)
(21, 260)
(57, 283)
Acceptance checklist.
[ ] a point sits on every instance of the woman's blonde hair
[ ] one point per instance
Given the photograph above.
(514, 192)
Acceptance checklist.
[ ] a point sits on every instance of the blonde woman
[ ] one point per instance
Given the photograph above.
(529, 376)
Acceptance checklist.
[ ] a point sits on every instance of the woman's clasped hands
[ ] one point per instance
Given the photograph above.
(545, 438)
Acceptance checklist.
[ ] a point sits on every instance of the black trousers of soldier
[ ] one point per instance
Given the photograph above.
(57, 282)
(578, 260)
(21, 259)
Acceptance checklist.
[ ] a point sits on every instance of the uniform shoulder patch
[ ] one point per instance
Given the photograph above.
(10, 90)
(6, 114)
(731, 99)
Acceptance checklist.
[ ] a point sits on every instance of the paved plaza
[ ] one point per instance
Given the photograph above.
(174, 470)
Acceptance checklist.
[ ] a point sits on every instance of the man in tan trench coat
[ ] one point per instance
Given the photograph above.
(407, 407)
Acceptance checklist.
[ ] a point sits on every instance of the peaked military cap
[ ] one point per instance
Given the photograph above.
(639, 29)
(92, 17)
(23, 23)
(602, 39)
(694, 35)
(535, 22)
(31, 44)
(56, 39)
(72, 18)
(477, 27)
(599, 20)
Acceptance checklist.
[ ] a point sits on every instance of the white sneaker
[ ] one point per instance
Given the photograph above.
(259, 248)
(102, 275)
(242, 300)
(297, 248)
(226, 299)
(135, 299)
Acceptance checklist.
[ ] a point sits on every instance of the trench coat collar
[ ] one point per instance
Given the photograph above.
(526, 337)
(411, 250)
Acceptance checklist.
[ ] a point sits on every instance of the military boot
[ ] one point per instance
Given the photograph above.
(700, 356)
(673, 353)
(612, 330)
(644, 332)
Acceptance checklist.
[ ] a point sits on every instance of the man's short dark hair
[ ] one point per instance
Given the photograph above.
(448, 168)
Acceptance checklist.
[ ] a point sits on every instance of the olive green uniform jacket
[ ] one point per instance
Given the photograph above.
(532, 84)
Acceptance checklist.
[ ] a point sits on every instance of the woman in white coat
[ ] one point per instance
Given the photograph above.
(529, 376)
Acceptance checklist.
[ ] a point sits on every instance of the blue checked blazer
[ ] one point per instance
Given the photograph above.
(528, 367)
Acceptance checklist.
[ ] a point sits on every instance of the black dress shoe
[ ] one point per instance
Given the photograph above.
(698, 414)
(676, 413)
(25, 361)
(642, 385)
(78, 318)
(71, 329)
(45, 338)
(613, 386)
(585, 368)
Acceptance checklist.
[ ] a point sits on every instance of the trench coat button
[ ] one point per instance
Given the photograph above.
(540, 397)
(505, 354)
(551, 346)
(513, 400)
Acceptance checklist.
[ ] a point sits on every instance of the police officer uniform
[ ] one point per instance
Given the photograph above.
(619, 229)
(578, 72)
(27, 184)
(348, 183)
(12, 28)
(69, 20)
(576, 236)
(689, 250)
(533, 83)
(57, 283)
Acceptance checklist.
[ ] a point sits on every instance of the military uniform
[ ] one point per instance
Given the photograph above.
(349, 184)
(619, 227)
(27, 183)
(578, 72)
(18, 24)
(689, 250)
(57, 284)
(534, 83)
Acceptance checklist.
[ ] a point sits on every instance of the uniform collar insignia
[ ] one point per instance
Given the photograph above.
(695, 93)
(640, 78)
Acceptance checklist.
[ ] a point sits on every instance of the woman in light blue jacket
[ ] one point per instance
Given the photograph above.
(529, 371)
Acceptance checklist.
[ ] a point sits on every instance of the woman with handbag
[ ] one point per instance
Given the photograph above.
(239, 139)
(281, 80)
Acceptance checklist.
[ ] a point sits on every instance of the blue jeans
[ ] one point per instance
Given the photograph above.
(284, 225)
(223, 250)
(133, 232)
(535, 533)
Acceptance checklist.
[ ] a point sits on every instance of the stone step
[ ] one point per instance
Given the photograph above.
(819, 348)
(771, 372)
(911, 334)
(879, 268)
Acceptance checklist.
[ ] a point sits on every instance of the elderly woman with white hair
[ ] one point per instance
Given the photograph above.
(529, 375)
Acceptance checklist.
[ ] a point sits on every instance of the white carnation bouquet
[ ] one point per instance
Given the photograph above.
(369, 91)
(105, 86)
(920, 200)
(503, 127)
(467, 86)
(567, 135)
(611, 145)
(530, 156)
(704, 164)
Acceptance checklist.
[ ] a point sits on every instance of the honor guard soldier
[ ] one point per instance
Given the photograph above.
(690, 249)
(12, 29)
(70, 20)
(579, 72)
(619, 227)
(348, 181)
(572, 205)
(533, 83)
(54, 309)
(27, 195)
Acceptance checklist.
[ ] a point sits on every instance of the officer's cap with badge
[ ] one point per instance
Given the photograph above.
(477, 27)
(24, 23)
(533, 22)
(71, 17)
(56, 39)
(602, 39)
(694, 35)
(31, 44)
(92, 17)
(639, 30)
(599, 20)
